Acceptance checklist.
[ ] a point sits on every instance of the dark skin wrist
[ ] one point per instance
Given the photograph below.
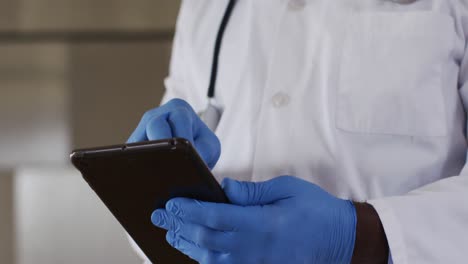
(371, 244)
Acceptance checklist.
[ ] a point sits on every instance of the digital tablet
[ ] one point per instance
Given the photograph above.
(133, 180)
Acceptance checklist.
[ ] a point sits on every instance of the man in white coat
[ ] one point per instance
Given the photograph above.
(361, 103)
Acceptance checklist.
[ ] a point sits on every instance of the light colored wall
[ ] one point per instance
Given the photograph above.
(55, 96)
(101, 14)
(7, 239)
(112, 86)
(82, 15)
(33, 104)
(9, 10)
(60, 220)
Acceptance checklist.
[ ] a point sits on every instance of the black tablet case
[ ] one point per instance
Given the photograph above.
(134, 179)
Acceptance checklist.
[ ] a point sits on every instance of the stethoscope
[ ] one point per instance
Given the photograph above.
(212, 114)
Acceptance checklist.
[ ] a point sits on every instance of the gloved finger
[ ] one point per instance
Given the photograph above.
(206, 143)
(257, 193)
(139, 134)
(185, 123)
(209, 149)
(221, 241)
(194, 251)
(162, 219)
(181, 122)
(221, 217)
(158, 128)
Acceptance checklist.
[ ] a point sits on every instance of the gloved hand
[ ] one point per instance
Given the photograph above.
(178, 119)
(284, 220)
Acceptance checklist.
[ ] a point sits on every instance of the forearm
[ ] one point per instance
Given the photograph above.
(371, 244)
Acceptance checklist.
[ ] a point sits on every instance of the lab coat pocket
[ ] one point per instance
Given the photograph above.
(391, 74)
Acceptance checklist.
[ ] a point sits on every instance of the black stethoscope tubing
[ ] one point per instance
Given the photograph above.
(217, 50)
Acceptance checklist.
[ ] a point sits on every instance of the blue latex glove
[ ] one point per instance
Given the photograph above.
(284, 220)
(178, 119)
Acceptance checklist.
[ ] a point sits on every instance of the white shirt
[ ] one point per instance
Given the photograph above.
(365, 98)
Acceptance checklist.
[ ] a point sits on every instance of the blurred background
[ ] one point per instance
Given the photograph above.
(73, 73)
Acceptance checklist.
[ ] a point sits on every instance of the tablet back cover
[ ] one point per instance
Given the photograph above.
(133, 180)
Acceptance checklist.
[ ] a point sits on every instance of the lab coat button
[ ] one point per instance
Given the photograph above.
(280, 99)
(296, 5)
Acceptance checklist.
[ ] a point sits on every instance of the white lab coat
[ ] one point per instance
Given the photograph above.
(365, 98)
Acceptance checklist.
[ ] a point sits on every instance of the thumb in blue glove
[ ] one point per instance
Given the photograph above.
(284, 220)
(177, 118)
